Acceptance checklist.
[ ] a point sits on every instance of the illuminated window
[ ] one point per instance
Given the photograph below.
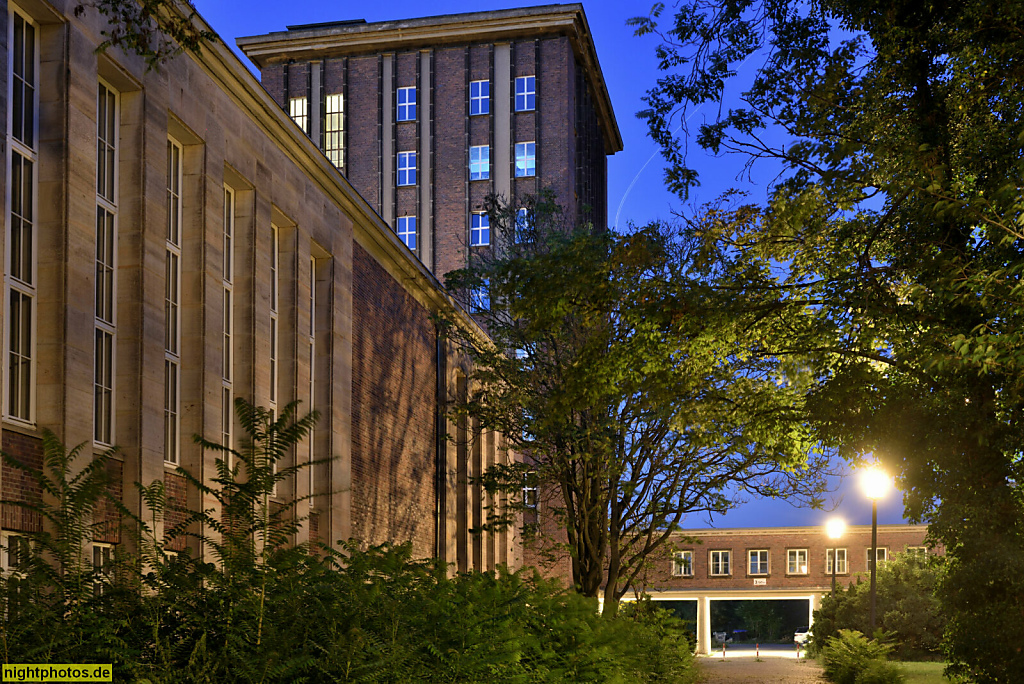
(796, 561)
(526, 93)
(334, 130)
(682, 564)
(479, 97)
(406, 104)
(298, 108)
(172, 305)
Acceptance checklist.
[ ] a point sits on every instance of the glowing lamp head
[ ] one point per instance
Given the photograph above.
(835, 528)
(875, 483)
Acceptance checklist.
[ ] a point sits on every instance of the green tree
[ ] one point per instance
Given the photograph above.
(634, 401)
(891, 245)
(156, 30)
(908, 609)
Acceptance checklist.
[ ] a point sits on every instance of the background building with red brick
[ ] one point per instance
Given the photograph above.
(507, 102)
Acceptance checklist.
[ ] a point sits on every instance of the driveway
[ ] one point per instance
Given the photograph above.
(750, 671)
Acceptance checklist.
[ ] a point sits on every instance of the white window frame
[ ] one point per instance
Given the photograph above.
(105, 296)
(916, 550)
(479, 229)
(172, 306)
(722, 558)
(843, 565)
(406, 168)
(334, 129)
(526, 93)
(406, 230)
(102, 557)
(479, 98)
(479, 162)
(530, 490)
(526, 159)
(228, 323)
(275, 291)
(882, 557)
(793, 562)
(26, 289)
(406, 110)
(682, 564)
(5, 540)
(298, 110)
(762, 568)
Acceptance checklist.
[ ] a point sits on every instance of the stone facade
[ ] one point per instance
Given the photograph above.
(223, 257)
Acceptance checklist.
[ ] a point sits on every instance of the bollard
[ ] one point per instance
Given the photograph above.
(757, 650)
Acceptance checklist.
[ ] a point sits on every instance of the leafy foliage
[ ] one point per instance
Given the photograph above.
(268, 610)
(156, 30)
(908, 609)
(634, 399)
(852, 658)
(888, 254)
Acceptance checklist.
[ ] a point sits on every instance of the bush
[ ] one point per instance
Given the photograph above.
(852, 658)
(907, 607)
(271, 611)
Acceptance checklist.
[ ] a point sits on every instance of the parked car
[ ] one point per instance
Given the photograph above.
(802, 635)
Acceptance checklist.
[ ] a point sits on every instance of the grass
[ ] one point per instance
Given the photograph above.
(919, 672)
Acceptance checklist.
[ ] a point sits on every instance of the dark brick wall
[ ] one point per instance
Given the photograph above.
(393, 404)
(106, 512)
(450, 160)
(272, 78)
(856, 541)
(363, 118)
(556, 153)
(177, 490)
(18, 485)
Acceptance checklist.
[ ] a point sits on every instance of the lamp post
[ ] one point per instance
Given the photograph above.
(835, 529)
(875, 484)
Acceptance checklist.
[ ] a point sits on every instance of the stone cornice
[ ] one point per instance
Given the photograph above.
(329, 40)
(813, 529)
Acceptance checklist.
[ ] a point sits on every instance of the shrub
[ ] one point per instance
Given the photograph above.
(852, 658)
(271, 611)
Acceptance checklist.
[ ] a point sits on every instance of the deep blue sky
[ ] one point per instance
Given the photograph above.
(630, 68)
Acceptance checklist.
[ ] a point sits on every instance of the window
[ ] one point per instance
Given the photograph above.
(102, 564)
(526, 93)
(757, 562)
(20, 243)
(479, 97)
(407, 168)
(480, 297)
(172, 304)
(917, 551)
(298, 108)
(480, 230)
(526, 159)
(718, 563)
(407, 230)
(840, 556)
(407, 104)
(106, 238)
(682, 564)
(479, 162)
(275, 262)
(16, 553)
(312, 369)
(883, 555)
(334, 130)
(530, 489)
(796, 561)
(227, 350)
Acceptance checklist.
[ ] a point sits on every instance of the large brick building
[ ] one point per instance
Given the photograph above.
(428, 116)
(172, 241)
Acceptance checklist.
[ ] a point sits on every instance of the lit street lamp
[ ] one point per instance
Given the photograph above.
(875, 484)
(835, 528)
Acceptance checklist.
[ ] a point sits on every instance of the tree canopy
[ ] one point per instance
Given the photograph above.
(891, 243)
(633, 400)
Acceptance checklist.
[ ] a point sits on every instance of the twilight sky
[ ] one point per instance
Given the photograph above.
(635, 191)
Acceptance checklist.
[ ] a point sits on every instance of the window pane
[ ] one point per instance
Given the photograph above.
(334, 123)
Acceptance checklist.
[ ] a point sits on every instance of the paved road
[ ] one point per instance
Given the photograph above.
(749, 670)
